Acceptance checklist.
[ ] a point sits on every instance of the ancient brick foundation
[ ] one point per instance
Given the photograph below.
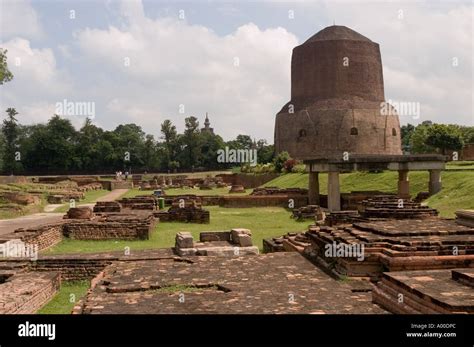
(112, 227)
(411, 292)
(26, 293)
(79, 213)
(236, 242)
(313, 212)
(263, 201)
(141, 202)
(43, 236)
(239, 285)
(393, 245)
(279, 191)
(184, 209)
(393, 207)
(107, 206)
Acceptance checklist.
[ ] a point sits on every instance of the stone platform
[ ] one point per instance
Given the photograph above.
(236, 242)
(427, 292)
(394, 245)
(270, 283)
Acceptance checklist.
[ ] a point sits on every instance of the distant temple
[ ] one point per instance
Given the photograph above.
(207, 126)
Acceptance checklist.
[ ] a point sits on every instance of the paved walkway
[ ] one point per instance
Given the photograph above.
(33, 220)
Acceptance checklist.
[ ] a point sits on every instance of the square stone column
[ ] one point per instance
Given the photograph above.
(435, 181)
(403, 184)
(313, 188)
(334, 194)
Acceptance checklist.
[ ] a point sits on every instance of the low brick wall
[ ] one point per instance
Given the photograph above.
(44, 236)
(26, 293)
(78, 267)
(131, 229)
(72, 269)
(262, 201)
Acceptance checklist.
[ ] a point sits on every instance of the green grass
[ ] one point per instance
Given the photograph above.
(20, 210)
(90, 197)
(460, 165)
(264, 222)
(64, 301)
(457, 192)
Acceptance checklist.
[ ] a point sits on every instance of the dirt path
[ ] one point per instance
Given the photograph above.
(9, 225)
(32, 220)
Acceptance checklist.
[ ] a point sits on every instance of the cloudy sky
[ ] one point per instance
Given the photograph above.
(147, 61)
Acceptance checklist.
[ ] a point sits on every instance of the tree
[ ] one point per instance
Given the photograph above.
(265, 153)
(209, 145)
(444, 137)
(10, 131)
(170, 137)
(190, 144)
(280, 161)
(418, 140)
(5, 73)
(406, 133)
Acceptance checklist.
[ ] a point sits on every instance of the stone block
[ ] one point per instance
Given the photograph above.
(237, 231)
(244, 240)
(184, 239)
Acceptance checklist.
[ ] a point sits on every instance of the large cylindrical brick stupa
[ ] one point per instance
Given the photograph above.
(337, 95)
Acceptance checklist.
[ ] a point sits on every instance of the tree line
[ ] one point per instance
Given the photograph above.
(58, 148)
(429, 137)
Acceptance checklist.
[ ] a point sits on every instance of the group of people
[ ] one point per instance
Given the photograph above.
(120, 176)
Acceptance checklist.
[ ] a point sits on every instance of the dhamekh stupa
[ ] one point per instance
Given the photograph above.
(336, 96)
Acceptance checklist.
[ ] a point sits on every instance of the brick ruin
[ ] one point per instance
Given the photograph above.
(236, 188)
(393, 207)
(279, 191)
(428, 292)
(235, 242)
(120, 226)
(178, 181)
(107, 207)
(308, 212)
(184, 209)
(405, 250)
(141, 202)
(235, 285)
(26, 293)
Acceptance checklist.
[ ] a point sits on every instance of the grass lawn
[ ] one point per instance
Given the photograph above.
(180, 191)
(63, 302)
(90, 196)
(264, 222)
(457, 192)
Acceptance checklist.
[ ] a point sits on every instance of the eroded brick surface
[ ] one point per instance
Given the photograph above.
(271, 283)
(434, 291)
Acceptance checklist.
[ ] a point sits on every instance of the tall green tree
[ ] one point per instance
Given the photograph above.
(190, 144)
(170, 137)
(5, 73)
(10, 131)
(444, 137)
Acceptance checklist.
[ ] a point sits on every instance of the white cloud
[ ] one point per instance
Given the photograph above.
(241, 79)
(37, 83)
(19, 18)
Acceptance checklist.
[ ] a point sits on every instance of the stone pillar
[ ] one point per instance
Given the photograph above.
(313, 187)
(334, 194)
(403, 184)
(435, 181)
